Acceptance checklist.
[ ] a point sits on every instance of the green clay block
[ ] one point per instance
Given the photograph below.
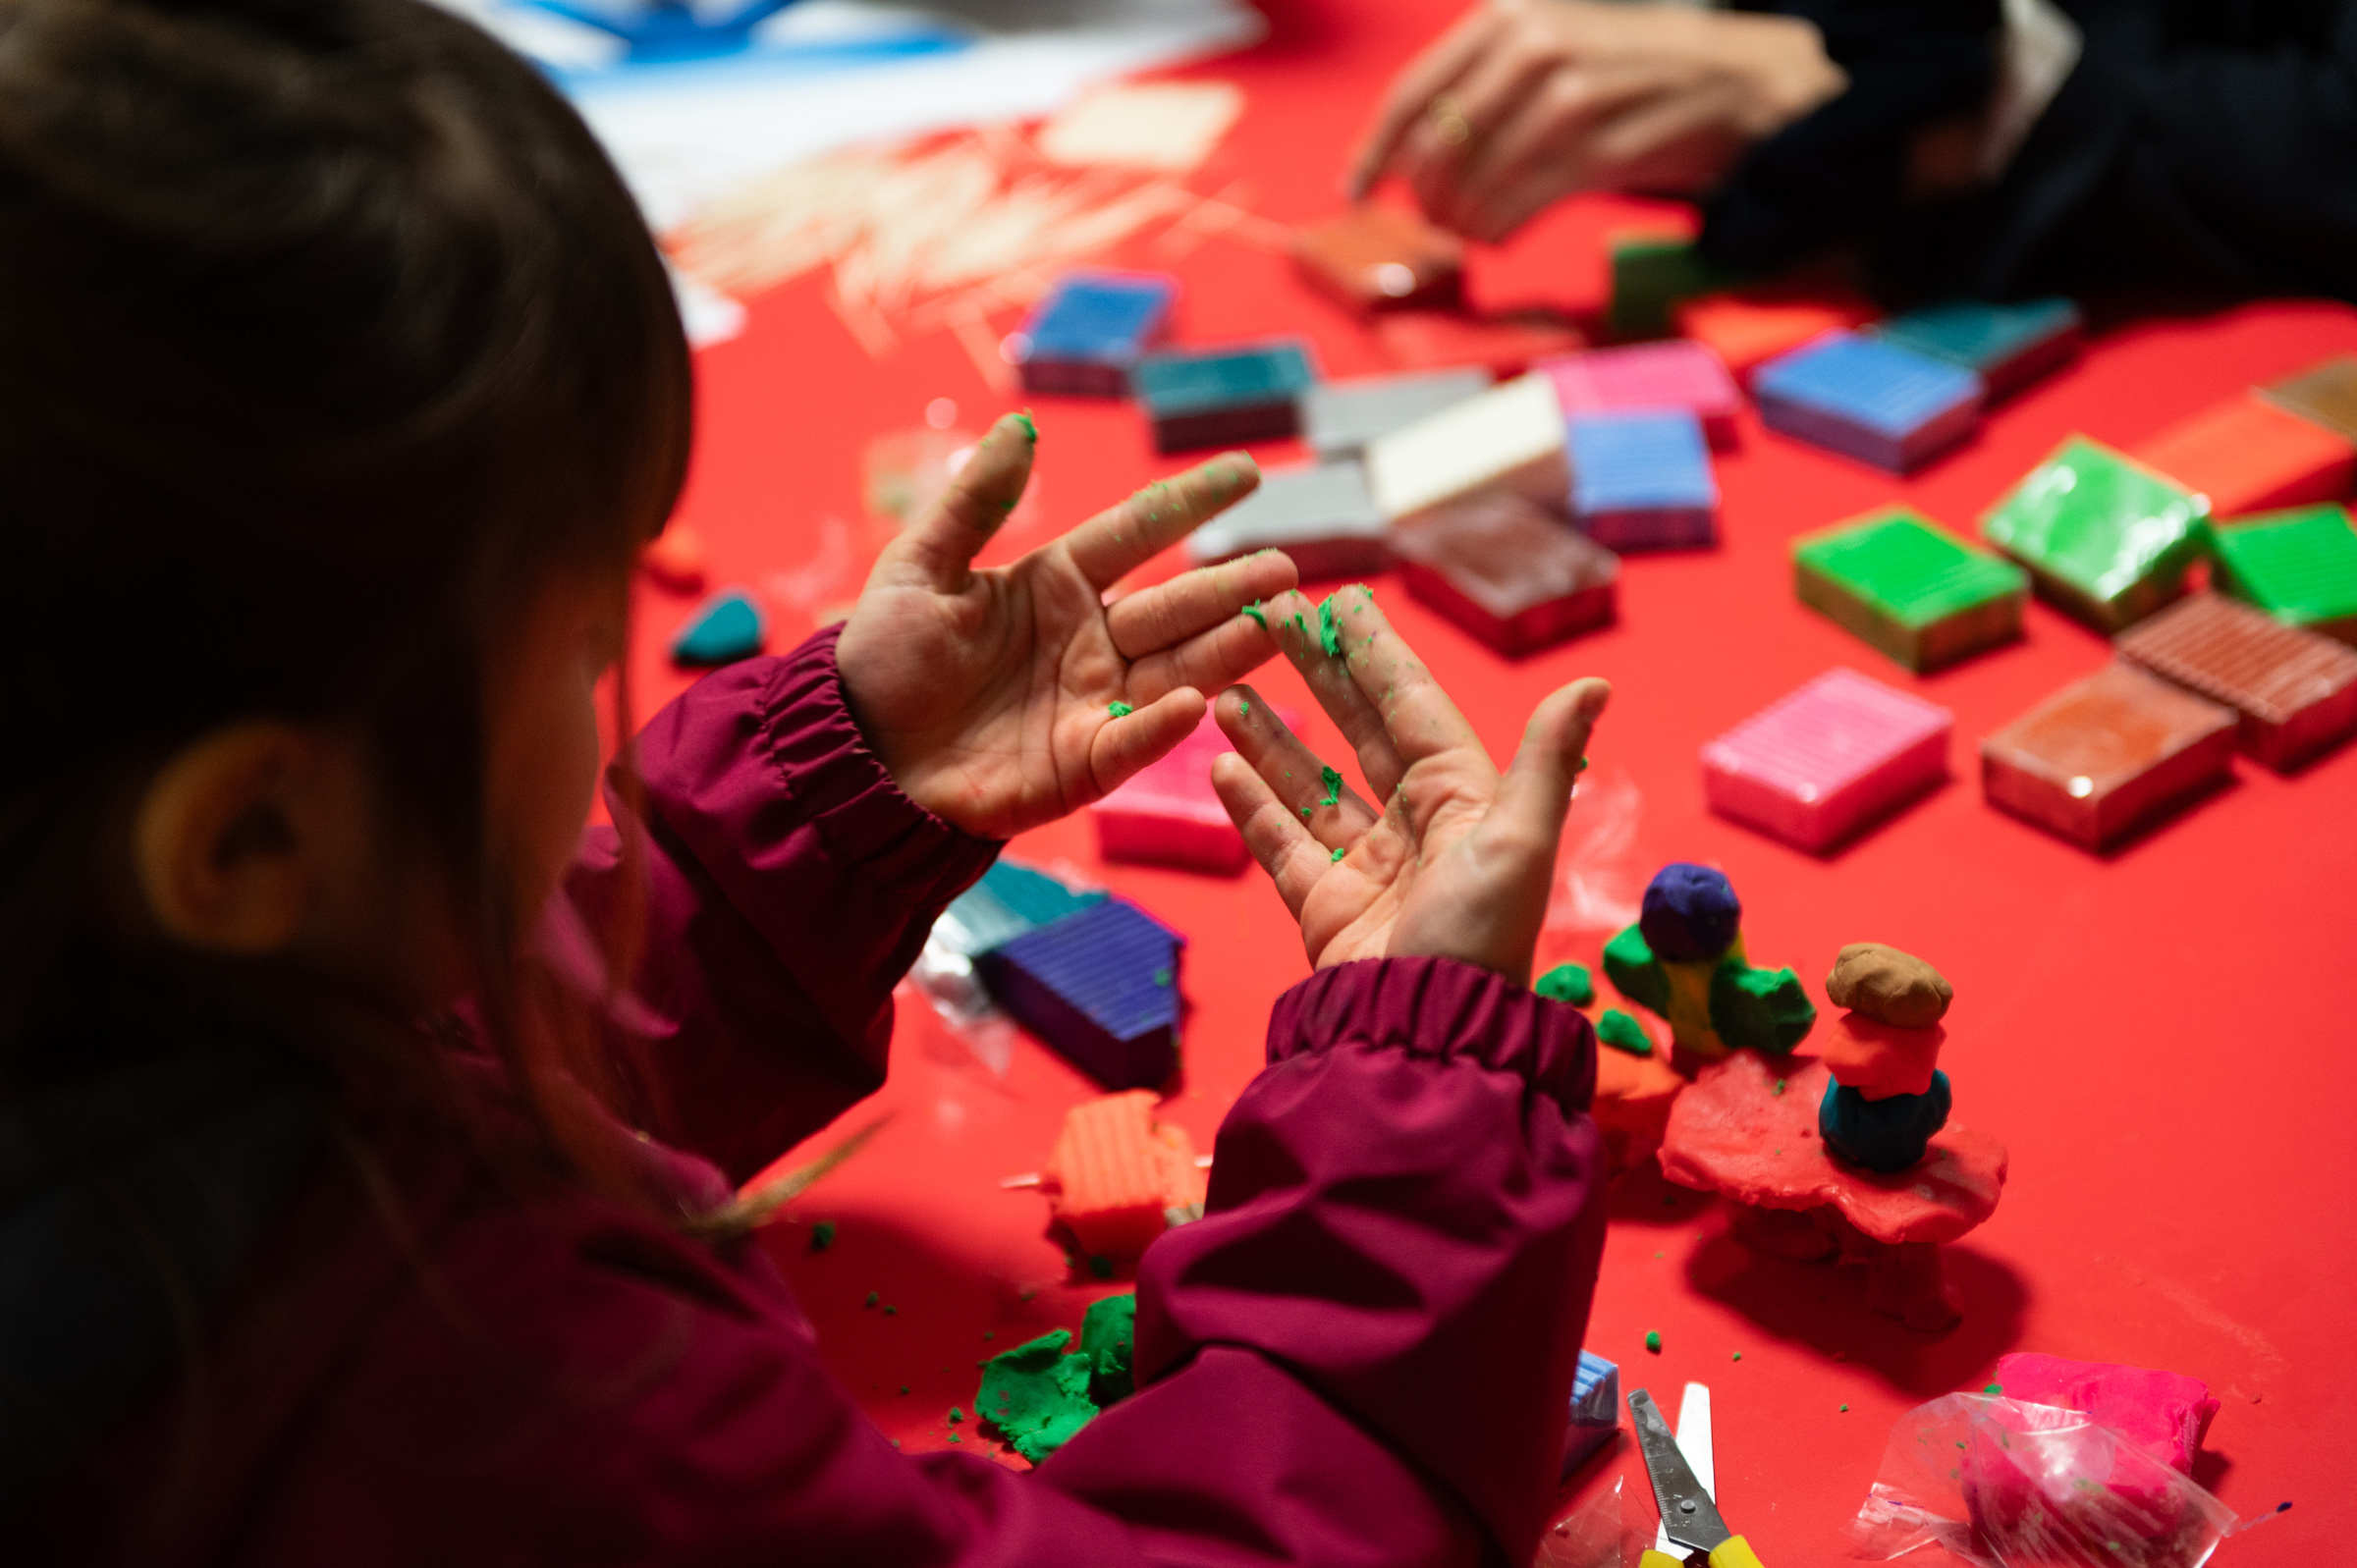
(822, 1235)
(1334, 787)
(1329, 636)
(1652, 1342)
(1108, 1337)
(1629, 965)
(1037, 1395)
(1256, 613)
(1764, 1010)
(1651, 273)
(2104, 538)
(1120, 710)
(1566, 982)
(2299, 566)
(1622, 1031)
(1911, 589)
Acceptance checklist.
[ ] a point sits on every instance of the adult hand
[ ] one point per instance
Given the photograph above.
(1525, 101)
(1459, 860)
(1004, 698)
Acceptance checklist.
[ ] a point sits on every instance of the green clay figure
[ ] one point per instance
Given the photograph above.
(1684, 960)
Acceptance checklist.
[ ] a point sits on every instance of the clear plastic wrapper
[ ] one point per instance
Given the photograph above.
(2001, 1483)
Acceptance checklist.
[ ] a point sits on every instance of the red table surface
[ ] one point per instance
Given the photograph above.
(2155, 1035)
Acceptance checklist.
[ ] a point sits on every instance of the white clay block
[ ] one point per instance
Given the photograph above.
(1340, 417)
(1317, 512)
(1510, 436)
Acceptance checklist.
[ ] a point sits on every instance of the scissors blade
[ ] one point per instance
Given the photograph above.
(1688, 1515)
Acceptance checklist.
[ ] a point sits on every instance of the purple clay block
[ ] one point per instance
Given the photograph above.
(1870, 399)
(1595, 1410)
(1099, 988)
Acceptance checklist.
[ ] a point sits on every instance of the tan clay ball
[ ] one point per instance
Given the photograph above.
(1888, 986)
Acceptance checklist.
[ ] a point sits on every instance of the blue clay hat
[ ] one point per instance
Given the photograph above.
(1690, 912)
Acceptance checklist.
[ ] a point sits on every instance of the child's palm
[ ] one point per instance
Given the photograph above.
(989, 694)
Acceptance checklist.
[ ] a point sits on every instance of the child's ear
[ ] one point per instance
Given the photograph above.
(229, 835)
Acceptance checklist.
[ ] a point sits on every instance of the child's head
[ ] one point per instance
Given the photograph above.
(339, 384)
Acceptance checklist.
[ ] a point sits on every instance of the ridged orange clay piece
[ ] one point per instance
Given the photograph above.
(1115, 1172)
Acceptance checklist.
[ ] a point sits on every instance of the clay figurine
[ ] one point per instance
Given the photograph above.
(1887, 1096)
(1684, 960)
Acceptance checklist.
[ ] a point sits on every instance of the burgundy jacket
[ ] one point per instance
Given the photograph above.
(1361, 1355)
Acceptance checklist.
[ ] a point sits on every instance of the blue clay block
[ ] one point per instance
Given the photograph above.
(1089, 332)
(1595, 1410)
(2007, 345)
(726, 628)
(1885, 1135)
(1099, 988)
(1010, 900)
(1203, 397)
(1872, 399)
(1690, 912)
(1642, 480)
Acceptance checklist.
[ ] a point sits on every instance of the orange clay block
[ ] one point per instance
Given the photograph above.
(1880, 1060)
(2246, 455)
(1117, 1171)
(675, 560)
(1748, 327)
(1633, 1097)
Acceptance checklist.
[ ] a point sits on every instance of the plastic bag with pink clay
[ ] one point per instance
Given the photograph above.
(2004, 1484)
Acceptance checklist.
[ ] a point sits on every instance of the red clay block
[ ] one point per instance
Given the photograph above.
(2246, 455)
(1509, 572)
(2295, 690)
(1379, 258)
(2164, 1412)
(1168, 815)
(1504, 345)
(1117, 1172)
(1748, 327)
(1650, 375)
(2103, 757)
(1815, 766)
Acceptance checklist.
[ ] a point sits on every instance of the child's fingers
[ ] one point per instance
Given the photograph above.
(1130, 741)
(940, 548)
(1169, 613)
(1211, 662)
(1536, 790)
(1285, 849)
(1111, 544)
(1333, 813)
(1417, 715)
(1295, 620)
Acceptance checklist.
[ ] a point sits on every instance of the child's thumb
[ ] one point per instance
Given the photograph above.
(1536, 790)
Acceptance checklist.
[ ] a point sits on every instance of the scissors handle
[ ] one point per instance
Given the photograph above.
(1732, 1553)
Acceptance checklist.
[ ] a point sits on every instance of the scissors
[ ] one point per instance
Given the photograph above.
(1689, 1518)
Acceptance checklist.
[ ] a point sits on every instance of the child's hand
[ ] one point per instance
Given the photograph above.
(990, 695)
(1460, 861)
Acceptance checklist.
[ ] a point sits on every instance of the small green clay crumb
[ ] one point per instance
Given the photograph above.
(1780, 1086)
(871, 1299)
(1101, 1267)
(1329, 636)
(1580, 766)
(1994, 1389)
(896, 1442)
(956, 1415)
(1652, 1342)
(1622, 1031)
(1025, 1294)
(892, 1312)
(1255, 611)
(1244, 710)
(1661, 1254)
(822, 1235)
(1738, 1355)
(1162, 977)
(1304, 813)
(990, 1334)
(1334, 787)
(1845, 1410)
(954, 1437)
(903, 1388)
(1336, 855)
(1030, 430)
(1120, 710)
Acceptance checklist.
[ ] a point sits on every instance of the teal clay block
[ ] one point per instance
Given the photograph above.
(2104, 538)
(1909, 588)
(2010, 346)
(2299, 566)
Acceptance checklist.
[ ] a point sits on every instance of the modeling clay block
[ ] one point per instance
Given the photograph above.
(2299, 566)
(1319, 514)
(1815, 766)
(2104, 538)
(1376, 258)
(2325, 393)
(1168, 815)
(726, 628)
(2296, 692)
(1642, 480)
(2246, 455)
(1212, 397)
(1117, 1174)
(1090, 331)
(1748, 327)
(1650, 274)
(1567, 983)
(1340, 417)
(1911, 589)
(1887, 1135)
(676, 559)
(1650, 376)
(2099, 759)
(2166, 1414)
(1504, 344)
(1595, 1410)
(1010, 900)
(2009, 345)
(1509, 438)
(1870, 399)
(1512, 574)
(1099, 988)
(1880, 1060)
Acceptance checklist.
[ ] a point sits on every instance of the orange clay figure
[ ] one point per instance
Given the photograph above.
(1118, 1178)
(1888, 1096)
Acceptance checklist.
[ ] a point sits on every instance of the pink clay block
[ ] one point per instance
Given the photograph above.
(1815, 766)
(1674, 374)
(2162, 1413)
(1168, 815)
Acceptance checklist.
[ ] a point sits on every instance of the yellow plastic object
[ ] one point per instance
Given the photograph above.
(1735, 1553)
(1659, 1559)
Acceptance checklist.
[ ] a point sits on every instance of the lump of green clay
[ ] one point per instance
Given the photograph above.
(1108, 1338)
(822, 1235)
(1255, 611)
(1329, 636)
(1338, 852)
(1566, 982)
(1333, 788)
(1629, 964)
(1120, 710)
(1622, 1031)
(1764, 1010)
(1037, 1395)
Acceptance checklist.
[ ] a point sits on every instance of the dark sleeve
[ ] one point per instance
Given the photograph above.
(789, 885)
(1838, 172)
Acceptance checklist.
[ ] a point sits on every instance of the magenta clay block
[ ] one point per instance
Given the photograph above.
(1168, 815)
(1816, 765)
(1674, 374)
(2164, 1412)
(2100, 759)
